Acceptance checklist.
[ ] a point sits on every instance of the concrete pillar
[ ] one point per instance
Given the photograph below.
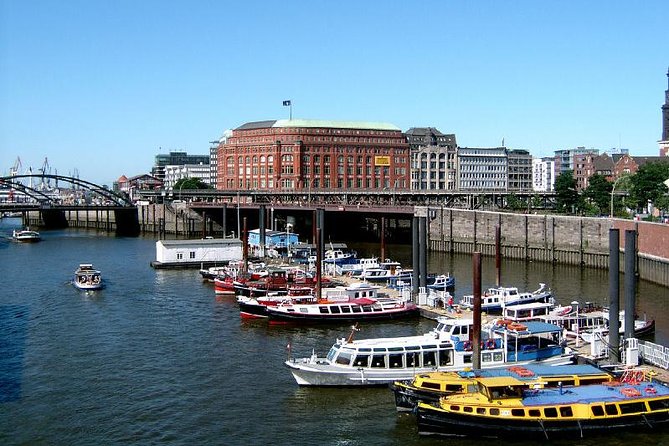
(630, 283)
(614, 294)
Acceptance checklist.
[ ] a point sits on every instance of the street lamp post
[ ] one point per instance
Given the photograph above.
(613, 189)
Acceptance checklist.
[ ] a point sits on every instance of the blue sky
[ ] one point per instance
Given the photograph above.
(103, 86)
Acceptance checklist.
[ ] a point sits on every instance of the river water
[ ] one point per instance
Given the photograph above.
(157, 358)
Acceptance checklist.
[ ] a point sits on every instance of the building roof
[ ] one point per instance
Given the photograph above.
(641, 160)
(423, 131)
(318, 123)
(206, 242)
(602, 163)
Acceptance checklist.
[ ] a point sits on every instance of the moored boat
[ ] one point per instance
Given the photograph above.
(381, 361)
(496, 298)
(430, 387)
(26, 236)
(86, 277)
(256, 307)
(441, 282)
(505, 407)
(355, 302)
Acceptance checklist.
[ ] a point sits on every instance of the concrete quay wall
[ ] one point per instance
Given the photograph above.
(550, 238)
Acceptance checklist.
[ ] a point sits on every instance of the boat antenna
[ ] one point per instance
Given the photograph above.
(354, 328)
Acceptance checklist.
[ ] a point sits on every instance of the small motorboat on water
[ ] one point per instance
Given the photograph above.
(86, 277)
(26, 236)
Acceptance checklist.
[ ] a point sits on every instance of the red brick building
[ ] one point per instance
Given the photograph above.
(300, 154)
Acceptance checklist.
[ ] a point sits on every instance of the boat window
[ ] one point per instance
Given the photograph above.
(365, 349)
(611, 409)
(395, 349)
(486, 357)
(335, 309)
(534, 413)
(413, 347)
(379, 349)
(395, 360)
(497, 356)
(455, 408)
(366, 308)
(345, 309)
(550, 412)
(565, 411)
(429, 385)
(356, 309)
(456, 331)
(494, 411)
(361, 361)
(518, 412)
(467, 409)
(429, 359)
(333, 351)
(445, 357)
(481, 410)
(379, 361)
(467, 359)
(426, 347)
(659, 404)
(597, 411)
(412, 359)
(344, 358)
(635, 407)
(323, 310)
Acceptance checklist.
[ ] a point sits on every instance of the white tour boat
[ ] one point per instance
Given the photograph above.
(381, 361)
(86, 277)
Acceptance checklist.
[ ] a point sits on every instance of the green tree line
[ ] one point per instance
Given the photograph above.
(633, 192)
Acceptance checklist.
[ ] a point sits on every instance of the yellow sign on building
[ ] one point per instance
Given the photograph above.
(382, 161)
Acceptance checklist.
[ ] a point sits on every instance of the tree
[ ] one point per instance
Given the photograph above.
(514, 203)
(647, 184)
(565, 190)
(598, 193)
(190, 183)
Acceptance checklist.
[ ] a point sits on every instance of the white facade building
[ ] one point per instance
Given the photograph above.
(543, 174)
(175, 173)
(482, 169)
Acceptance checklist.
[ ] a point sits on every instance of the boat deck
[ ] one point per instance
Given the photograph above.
(593, 393)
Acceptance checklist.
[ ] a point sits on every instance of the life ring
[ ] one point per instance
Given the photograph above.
(630, 391)
(650, 390)
(490, 344)
(467, 345)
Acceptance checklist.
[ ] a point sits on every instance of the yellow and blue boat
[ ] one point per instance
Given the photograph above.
(430, 387)
(504, 406)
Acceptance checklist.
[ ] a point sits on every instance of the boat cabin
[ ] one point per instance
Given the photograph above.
(527, 312)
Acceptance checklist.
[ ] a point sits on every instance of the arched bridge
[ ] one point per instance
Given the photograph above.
(51, 203)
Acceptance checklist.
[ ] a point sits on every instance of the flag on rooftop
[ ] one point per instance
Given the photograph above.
(286, 103)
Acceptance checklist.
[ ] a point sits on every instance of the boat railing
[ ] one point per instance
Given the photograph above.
(654, 354)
